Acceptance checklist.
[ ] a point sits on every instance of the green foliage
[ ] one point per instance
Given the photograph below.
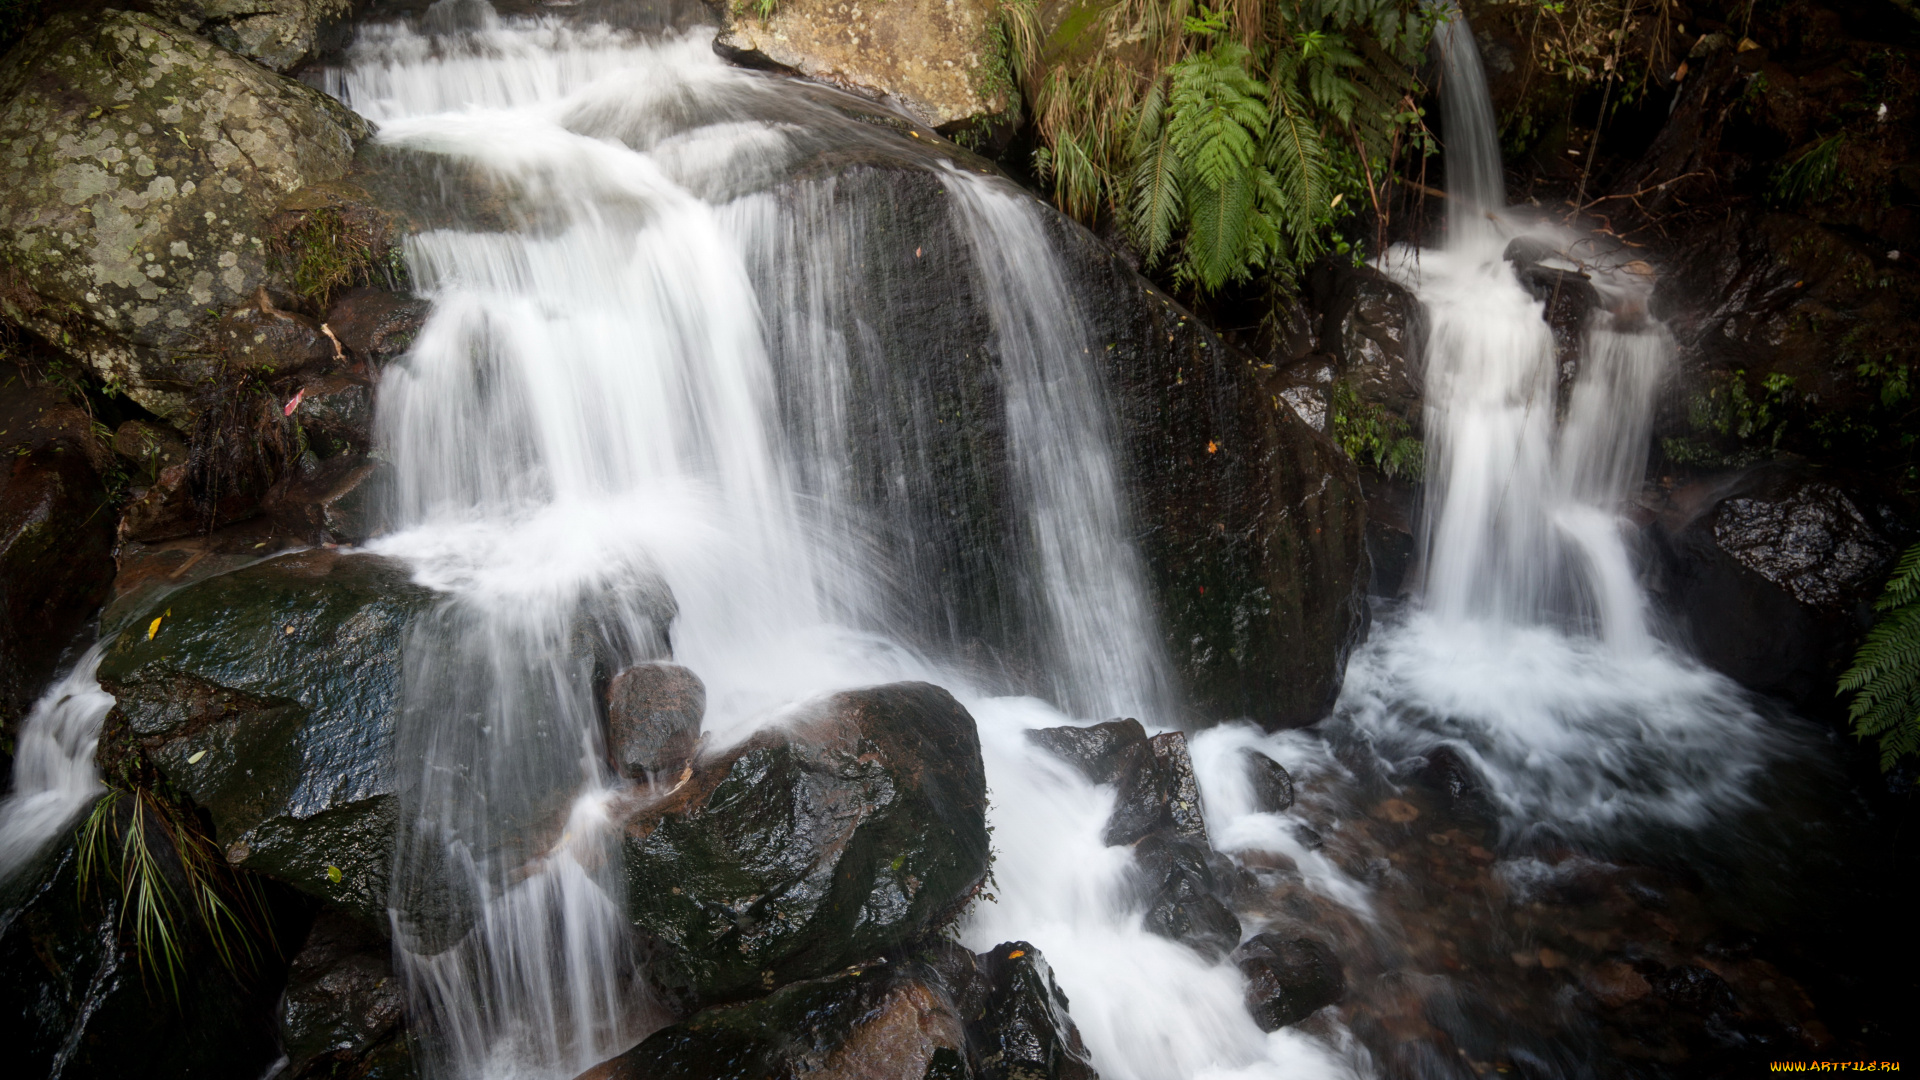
(325, 250)
(1812, 175)
(122, 847)
(1375, 438)
(1224, 140)
(1735, 424)
(1885, 677)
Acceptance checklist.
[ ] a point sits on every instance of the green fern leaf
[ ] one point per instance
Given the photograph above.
(1155, 207)
(1885, 676)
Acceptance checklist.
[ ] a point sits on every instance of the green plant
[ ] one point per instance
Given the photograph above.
(121, 841)
(1224, 140)
(325, 250)
(1885, 677)
(1375, 438)
(1812, 175)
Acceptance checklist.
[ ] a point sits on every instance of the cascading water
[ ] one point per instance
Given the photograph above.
(1531, 648)
(648, 374)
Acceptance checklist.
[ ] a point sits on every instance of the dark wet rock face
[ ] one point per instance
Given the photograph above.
(1023, 1028)
(856, 827)
(151, 207)
(1177, 881)
(1288, 978)
(1772, 573)
(1102, 752)
(1272, 785)
(375, 326)
(261, 339)
(56, 540)
(883, 1020)
(1381, 341)
(75, 1002)
(342, 1001)
(653, 721)
(268, 697)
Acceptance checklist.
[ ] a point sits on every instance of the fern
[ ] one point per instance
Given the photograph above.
(1885, 676)
(1155, 207)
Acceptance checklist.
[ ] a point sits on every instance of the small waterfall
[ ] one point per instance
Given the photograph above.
(1532, 650)
(54, 777)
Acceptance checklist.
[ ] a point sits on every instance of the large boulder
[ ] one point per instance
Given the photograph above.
(343, 1007)
(856, 827)
(1771, 573)
(938, 59)
(143, 165)
(56, 539)
(269, 697)
(278, 34)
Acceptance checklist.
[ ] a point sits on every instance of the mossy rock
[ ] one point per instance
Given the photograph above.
(141, 164)
(854, 829)
(269, 696)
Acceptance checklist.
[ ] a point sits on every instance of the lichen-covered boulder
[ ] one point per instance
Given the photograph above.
(277, 34)
(858, 826)
(269, 696)
(140, 166)
(936, 58)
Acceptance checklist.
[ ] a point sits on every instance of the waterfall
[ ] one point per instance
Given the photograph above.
(1532, 649)
(54, 777)
(661, 403)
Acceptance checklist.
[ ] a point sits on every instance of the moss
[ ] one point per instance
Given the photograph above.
(1374, 437)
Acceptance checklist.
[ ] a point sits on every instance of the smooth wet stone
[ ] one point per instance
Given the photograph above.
(869, 1022)
(1157, 790)
(1101, 752)
(258, 338)
(855, 827)
(1272, 784)
(342, 1000)
(375, 326)
(1177, 880)
(1288, 978)
(269, 696)
(653, 721)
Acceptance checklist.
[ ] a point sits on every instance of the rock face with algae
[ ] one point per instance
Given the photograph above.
(138, 167)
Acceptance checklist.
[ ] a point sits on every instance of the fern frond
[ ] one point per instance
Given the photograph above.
(1155, 207)
(1298, 161)
(1219, 231)
(1885, 676)
(1218, 117)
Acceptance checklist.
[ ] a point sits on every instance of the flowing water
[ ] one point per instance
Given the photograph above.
(659, 407)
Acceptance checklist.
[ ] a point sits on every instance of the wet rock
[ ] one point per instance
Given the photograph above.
(1102, 752)
(1157, 790)
(1614, 984)
(342, 1000)
(56, 541)
(856, 827)
(165, 509)
(375, 326)
(1289, 978)
(1447, 773)
(1176, 879)
(865, 1023)
(653, 721)
(146, 164)
(261, 339)
(268, 697)
(150, 448)
(1772, 573)
(336, 414)
(277, 34)
(1380, 330)
(929, 57)
(1696, 990)
(335, 501)
(1024, 1029)
(74, 1001)
(1272, 785)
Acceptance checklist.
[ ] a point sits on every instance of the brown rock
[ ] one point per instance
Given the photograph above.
(259, 337)
(653, 721)
(1398, 811)
(149, 446)
(374, 325)
(1614, 984)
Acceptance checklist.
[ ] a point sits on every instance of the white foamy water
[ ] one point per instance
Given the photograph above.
(54, 777)
(645, 369)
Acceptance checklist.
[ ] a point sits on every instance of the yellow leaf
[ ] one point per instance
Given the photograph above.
(154, 627)
(194, 758)
(333, 874)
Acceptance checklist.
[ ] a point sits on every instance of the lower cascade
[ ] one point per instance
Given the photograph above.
(759, 625)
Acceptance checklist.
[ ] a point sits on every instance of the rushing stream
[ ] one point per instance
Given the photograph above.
(648, 412)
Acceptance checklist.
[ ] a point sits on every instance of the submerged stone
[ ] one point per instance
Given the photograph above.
(1177, 881)
(1272, 784)
(856, 827)
(269, 697)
